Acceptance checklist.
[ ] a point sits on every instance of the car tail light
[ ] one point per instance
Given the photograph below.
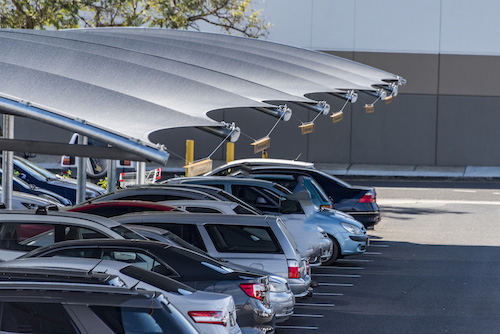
(67, 161)
(254, 290)
(208, 317)
(368, 198)
(293, 269)
(308, 267)
(327, 206)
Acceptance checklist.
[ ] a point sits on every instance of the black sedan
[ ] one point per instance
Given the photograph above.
(359, 202)
(249, 290)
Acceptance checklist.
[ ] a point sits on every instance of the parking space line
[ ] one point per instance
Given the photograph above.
(380, 246)
(308, 315)
(337, 275)
(372, 253)
(354, 260)
(346, 268)
(315, 328)
(313, 304)
(329, 294)
(336, 284)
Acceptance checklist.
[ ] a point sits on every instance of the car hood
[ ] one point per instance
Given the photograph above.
(72, 183)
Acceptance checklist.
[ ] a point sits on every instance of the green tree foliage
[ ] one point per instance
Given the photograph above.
(232, 16)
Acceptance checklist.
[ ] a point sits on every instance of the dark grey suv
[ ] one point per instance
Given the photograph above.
(38, 307)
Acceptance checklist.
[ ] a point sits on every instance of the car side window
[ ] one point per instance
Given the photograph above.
(188, 232)
(33, 317)
(89, 253)
(243, 239)
(25, 236)
(255, 197)
(78, 233)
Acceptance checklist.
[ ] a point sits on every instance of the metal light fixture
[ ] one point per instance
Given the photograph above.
(321, 107)
(282, 111)
(349, 95)
(227, 129)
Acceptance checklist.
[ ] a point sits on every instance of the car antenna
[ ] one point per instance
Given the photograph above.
(92, 269)
(298, 156)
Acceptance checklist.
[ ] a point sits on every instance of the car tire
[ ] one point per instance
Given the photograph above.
(335, 252)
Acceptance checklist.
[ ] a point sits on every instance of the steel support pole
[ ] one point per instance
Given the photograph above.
(141, 173)
(7, 163)
(112, 176)
(81, 175)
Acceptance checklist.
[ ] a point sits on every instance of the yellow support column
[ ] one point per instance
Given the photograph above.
(189, 153)
(229, 152)
(265, 155)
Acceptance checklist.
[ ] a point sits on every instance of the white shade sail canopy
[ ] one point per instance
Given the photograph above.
(120, 85)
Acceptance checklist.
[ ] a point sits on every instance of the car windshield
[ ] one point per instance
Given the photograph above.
(127, 233)
(36, 169)
(245, 207)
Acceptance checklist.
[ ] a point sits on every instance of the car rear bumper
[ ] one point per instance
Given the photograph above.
(300, 286)
(283, 304)
(368, 219)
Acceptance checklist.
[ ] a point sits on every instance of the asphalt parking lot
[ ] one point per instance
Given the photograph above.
(432, 267)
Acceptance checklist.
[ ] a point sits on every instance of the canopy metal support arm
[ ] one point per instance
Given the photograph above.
(148, 152)
(51, 148)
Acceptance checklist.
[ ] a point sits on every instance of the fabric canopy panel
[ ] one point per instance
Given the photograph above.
(123, 84)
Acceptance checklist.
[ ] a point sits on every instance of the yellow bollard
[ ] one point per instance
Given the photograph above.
(189, 153)
(229, 152)
(265, 155)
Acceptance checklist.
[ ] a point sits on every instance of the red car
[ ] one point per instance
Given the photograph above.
(117, 208)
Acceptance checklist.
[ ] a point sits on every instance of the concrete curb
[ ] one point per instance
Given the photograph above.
(365, 170)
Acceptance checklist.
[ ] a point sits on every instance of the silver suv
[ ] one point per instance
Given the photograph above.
(22, 231)
(261, 242)
(37, 307)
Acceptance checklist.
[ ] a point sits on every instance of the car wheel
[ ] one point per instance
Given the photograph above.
(335, 252)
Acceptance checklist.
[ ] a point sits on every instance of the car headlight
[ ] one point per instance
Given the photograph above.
(351, 228)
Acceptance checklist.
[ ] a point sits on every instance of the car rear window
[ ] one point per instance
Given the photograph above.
(243, 239)
(124, 320)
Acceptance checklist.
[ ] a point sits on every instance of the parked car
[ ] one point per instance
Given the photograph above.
(219, 194)
(317, 204)
(281, 296)
(152, 193)
(272, 198)
(21, 201)
(358, 201)
(34, 174)
(210, 313)
(47, 307)
(248, 290)
(261, 242)
(200, 206)
(117, 207)
(22, 231)
(24, 187)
